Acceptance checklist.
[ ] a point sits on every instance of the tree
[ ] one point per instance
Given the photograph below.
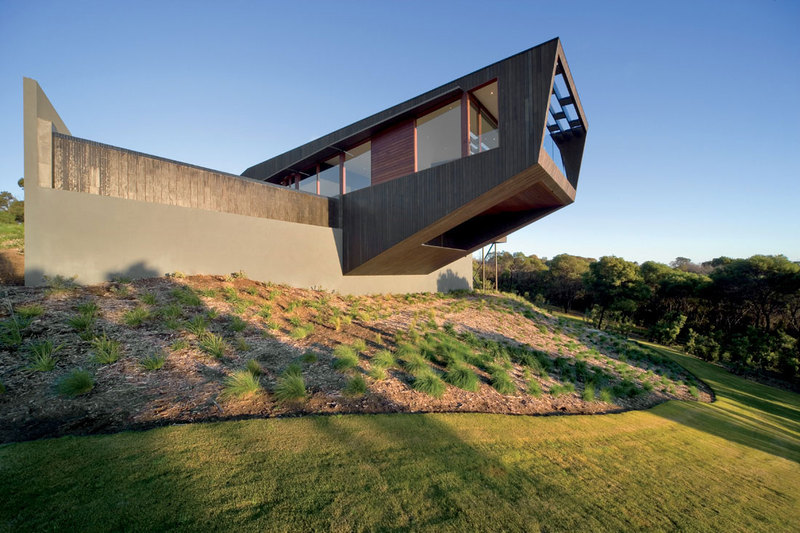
(5, 200)
(615, 285)
(565, 278)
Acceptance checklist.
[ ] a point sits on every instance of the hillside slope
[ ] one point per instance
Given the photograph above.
(307, 351)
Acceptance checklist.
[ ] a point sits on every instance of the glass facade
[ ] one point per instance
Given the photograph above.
(329, 177)
(309, 183)
(358, 167)
(439, 136)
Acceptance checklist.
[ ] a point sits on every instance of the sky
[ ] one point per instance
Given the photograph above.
(692, 145)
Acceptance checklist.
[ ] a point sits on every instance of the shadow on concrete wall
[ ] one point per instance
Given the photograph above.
(450, 281)
(138, 270)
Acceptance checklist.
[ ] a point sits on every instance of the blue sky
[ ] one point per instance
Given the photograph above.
(692, 147)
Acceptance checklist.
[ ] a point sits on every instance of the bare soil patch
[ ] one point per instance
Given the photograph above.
(262, 322)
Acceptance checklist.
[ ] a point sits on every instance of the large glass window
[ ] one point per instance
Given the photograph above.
(483, 131)
(439, 136)
(309, 183)
(358, 167)
(329, 177)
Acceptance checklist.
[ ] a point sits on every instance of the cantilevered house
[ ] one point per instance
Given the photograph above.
(394, 202)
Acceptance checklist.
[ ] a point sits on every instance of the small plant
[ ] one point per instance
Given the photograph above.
(240, 384)
(106, 350)
(378, 340)
(214, 345)
(383, 359)
(11, 330)
(534, 388)
(88, 309)
(176, 275)
(588, 393)
(359, 345)
(377, 373)
(265, 311)
(415, 364)
(252, 291)
(136, 316)
(301, 332)
(29, 310)
(237, 324)
(356, 386)
(344, 358)
(606, 396)
(561, 389)
(290, 387)
(462, 377)
(309, 357)
(254, 367)
(208, 293)
(239, 275)
(693, 391)
(430, 383)
(75, 383)
(42, 355)
(154, 362)
(197, 325)
(293, 369)
(149, 298)
(241, 345)
(501, 381)
(178, 345)
(186, 296)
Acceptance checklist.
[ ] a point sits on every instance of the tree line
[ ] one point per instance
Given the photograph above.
(744, 313)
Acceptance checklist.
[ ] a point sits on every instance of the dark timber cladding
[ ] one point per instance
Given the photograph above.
(85, 166)
(415, 222)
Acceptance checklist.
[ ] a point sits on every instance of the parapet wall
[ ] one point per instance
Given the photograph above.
(90, 167)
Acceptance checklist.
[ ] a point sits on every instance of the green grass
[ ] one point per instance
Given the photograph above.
(430, 384)
(290, 388)
(254, 367)
(42, 355)
(356, 386)
(462, 377)
(31, 310)
(75, 383)
(240, 384)
(733, 465)
(345, 358)
(154, 361)
(213, 345)
(136, 316)
(106, 350)
(12, 235)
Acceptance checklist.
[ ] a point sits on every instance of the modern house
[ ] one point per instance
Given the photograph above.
(396, 202)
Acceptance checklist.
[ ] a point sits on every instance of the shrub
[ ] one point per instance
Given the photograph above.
(180, 344)
(359, 345)
(197, 325)
(186, 296)
(154, 362)
(626, 389)
(430, 384)
(356, 386)
(42, 355)
(136, 317)
(693, 391)
(383, 359)
(29, 310)
(254, 367)
(606, 395)
(309, 357)
(149, 298)
(106, 350)
(290, 387)
(588, 393)
(214, 345)
(345, 358)
(561, 389)
(240, 384)
(75, 383)
(301, 332)
(501, 381)
(462, 377)
(237, 324)
(534, 388)
(415, 364)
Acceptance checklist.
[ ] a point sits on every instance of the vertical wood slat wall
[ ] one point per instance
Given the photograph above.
(89, 167)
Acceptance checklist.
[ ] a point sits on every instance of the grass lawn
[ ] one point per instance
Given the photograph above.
(729, 466)
(11, 235)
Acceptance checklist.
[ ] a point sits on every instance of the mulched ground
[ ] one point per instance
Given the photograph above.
(188, 387)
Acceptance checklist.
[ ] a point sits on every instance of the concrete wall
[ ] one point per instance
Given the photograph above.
(98, 237)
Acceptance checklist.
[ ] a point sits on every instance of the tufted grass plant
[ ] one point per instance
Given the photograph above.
(240, 384)
(462, 377)
(106, 350)
(430, 384)
(136, 316)
(345, 358)
(356, 386)
(42, 355)
(75, 383)
(153, 362)
(213, 345)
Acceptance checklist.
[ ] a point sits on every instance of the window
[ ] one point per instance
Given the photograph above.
(358, 167)
(439, 136)
(483, 129)
(329, 177)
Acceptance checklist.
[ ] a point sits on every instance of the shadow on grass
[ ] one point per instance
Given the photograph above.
(755, 415)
